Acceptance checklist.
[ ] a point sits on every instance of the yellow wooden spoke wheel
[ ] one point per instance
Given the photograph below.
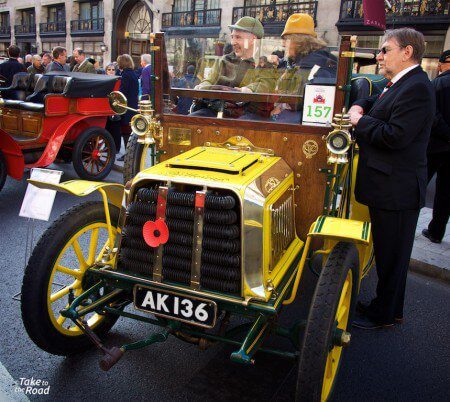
(55, 275)
(329, 320)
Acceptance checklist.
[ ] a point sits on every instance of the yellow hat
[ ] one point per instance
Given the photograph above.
(299, 24)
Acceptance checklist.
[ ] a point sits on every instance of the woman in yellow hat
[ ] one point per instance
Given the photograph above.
(306, 57)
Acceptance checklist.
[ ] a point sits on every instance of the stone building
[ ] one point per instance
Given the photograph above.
(106, 28)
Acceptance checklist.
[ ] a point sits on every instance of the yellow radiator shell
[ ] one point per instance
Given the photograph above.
(258, 180)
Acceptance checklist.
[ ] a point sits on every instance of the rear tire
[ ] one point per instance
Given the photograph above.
(3, 170)
(94, 154)
(51, 267)
(331, 311)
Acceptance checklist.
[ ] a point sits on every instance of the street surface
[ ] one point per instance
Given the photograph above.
(408, 363)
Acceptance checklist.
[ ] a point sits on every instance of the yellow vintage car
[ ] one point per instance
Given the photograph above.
(224, 223)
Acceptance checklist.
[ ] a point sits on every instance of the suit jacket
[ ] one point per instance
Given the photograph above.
(146, 80)
(9, 68)
(393, 136)
(85, 67)
(55, 66)
(440, 132)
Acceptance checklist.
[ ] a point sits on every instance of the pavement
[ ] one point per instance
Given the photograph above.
(429, 258)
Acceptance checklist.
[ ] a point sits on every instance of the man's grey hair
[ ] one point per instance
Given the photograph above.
(408, 36)
(28, 57)
(146, 58)
(36, 57)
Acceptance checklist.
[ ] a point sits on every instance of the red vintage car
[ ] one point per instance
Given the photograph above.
(56, 116)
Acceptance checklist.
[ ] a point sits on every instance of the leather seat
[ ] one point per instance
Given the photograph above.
(19, 87)
(44, 85)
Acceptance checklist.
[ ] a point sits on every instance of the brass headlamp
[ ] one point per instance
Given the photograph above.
(339, 140)
(143, 124)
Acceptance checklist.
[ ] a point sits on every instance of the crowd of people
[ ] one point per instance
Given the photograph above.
(135, 81)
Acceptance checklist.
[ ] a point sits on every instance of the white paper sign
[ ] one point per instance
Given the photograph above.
(38, 203)
(318, 105)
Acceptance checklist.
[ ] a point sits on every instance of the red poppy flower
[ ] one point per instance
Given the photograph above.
(155, 233)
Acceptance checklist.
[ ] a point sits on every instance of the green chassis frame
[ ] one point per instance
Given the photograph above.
(263, 315)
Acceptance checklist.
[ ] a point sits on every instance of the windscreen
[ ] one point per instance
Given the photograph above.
(275, 69)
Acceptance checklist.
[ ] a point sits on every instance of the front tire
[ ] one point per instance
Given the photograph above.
(329, 317)
(55, 274)
(94, 154)
(137, 157)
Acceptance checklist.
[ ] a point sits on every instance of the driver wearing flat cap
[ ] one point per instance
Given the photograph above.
(236, 70)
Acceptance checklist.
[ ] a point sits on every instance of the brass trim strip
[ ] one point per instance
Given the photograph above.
(160, 214)
(197, 238)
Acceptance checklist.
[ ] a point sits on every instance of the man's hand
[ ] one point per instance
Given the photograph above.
(355, 112)
(245, 90)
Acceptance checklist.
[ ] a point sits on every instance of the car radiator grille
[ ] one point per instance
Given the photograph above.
(220, 268)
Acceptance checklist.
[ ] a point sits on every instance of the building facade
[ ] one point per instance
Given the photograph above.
(107, 28)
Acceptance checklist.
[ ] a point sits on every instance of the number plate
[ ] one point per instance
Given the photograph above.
(192, 310)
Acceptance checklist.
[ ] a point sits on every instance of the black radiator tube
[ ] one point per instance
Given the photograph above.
(187, 199)
(220, 273)
(223, 259)
(178, 251)
(146, 256)
(220, 285)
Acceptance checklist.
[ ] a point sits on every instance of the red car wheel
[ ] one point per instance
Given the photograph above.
(94, 154)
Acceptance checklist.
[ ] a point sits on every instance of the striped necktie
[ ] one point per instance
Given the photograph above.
(388, 85)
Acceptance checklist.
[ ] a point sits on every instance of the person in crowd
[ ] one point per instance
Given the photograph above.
(189, 80)
(12, 65)
(28, 60)
(71, 62)
(129, 86)
(20, 60)
(274, 60)
(111, 69)
(393, 130)
(438, 152)
(263, 62)
(307, 57)
(36, 66)
(236, 69)
(83, 64)
(59, 60)
(96, 64)
(146, 82)
(46, 59)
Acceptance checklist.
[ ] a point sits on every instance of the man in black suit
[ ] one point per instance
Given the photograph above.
(12, 66)
(392, 131)
(439, 152)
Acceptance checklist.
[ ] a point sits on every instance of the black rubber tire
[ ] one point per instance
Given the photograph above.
(35, 314)
(321, 320)
(81, 142)
(3, 170)
(132, 160)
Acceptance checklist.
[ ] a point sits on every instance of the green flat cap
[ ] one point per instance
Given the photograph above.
(249, 24)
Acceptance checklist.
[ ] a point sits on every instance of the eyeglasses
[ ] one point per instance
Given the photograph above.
(384, 49)
(110, 69)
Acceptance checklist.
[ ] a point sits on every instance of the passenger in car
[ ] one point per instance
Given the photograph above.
(236, 69)
(307, 57)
